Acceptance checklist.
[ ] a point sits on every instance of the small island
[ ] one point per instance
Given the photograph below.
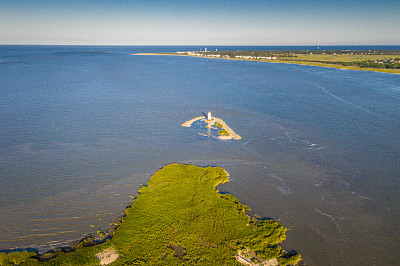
(210, 122)
(179, 218)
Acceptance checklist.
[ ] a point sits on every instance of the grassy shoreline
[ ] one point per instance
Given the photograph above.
(180, 218)
(296, 62)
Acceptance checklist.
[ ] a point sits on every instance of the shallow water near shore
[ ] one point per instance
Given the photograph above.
(83, 127)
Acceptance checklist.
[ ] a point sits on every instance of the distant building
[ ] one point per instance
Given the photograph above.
(209, 116)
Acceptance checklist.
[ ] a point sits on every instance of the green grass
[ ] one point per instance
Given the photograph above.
(17, 258)
(353, 60)
(218, 125)
(341, 61)
(179, 218)
(223, 133)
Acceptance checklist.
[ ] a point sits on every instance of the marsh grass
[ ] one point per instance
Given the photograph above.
(340, 61)
(223, 133)
(179, 218)
(17, 258)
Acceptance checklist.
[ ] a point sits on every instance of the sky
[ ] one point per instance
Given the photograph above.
(193, 22)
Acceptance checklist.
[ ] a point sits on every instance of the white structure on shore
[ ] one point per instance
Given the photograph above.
(210, 123)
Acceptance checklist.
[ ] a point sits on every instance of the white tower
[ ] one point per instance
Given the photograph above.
(209, 116)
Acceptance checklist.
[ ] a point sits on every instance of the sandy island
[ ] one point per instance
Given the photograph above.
(212, 122)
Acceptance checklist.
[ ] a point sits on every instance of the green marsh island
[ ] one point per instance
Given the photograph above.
(179, 218)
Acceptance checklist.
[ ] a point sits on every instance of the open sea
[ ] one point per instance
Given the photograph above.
(83, 127)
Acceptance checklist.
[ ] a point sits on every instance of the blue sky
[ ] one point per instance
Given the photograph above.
(185, 22)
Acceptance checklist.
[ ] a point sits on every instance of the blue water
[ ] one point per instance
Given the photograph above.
(82, 127)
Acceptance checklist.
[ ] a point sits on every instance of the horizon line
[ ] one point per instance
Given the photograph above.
(255, 45)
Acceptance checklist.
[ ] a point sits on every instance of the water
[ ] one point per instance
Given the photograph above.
(81, 128)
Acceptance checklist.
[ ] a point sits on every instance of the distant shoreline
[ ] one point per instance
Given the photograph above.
(390, 71)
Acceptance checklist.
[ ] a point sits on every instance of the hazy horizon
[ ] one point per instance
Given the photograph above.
(177, 22)
(207, 45)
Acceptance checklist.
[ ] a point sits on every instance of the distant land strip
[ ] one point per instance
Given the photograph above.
(386, 61)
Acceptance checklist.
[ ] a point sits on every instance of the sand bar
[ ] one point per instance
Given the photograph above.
(232, 134)
(190, 122)
(226, 127)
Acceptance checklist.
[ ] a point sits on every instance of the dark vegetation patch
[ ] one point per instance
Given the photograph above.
(179, 251)
(223, 133)
(218, 125)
